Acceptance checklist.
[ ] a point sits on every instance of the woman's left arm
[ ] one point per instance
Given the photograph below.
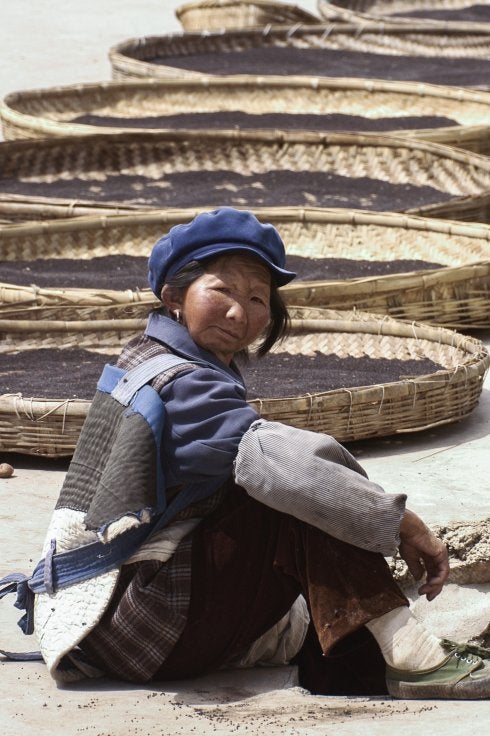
(311, 476)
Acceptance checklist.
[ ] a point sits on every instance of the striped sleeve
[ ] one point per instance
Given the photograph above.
(311, 476)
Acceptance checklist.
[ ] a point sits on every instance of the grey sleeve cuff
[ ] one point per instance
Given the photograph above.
(311, 476)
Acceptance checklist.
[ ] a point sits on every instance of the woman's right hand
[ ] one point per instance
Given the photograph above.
(423, 552)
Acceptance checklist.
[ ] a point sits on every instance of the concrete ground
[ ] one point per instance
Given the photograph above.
(445, 472)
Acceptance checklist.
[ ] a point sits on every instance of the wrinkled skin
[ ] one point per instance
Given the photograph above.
(423, 552)
(227, 308)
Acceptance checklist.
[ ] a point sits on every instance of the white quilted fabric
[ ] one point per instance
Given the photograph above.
(63, 619)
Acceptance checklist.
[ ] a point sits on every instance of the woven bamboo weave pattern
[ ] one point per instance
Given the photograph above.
(54, 111)
(53, 305)
(145, 57)
(88, 164)
(455, 295)
(216, 14)
(38, 426)
(105, 336)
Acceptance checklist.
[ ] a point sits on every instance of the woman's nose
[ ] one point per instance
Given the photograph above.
(237, 311)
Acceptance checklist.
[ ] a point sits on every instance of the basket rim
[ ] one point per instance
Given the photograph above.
(254, 80)
(221, 3)
(314, 319)
(168, 216)
(121, 60)
(322, 28)
(197, 5)
(11, 106)
(18, 299)
(30, 298)
(281, 30)
(272, 137)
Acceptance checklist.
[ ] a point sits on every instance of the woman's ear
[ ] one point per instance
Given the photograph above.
(171, 298)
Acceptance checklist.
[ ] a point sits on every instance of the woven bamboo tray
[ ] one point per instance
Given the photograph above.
(37, 426)
(224, 14)
(356, 11)
(140, 166)
(53, 112)
(456, 295)
(136, 58)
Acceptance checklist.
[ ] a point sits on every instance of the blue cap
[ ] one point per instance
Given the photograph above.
(211, 234)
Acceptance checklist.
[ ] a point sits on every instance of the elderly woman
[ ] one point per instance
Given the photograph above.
(271, 548)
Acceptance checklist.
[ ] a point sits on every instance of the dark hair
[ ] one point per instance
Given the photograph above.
(278, 326)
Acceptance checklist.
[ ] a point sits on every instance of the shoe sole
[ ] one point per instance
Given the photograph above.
(471, 690)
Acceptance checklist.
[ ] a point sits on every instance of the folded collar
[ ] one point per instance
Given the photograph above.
(176, 337)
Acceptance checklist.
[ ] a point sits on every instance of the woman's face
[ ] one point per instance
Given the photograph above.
(227, 308)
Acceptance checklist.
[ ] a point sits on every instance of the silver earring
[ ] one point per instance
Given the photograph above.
(177, 315)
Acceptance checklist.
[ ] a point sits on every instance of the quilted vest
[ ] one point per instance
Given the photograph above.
(116, 472)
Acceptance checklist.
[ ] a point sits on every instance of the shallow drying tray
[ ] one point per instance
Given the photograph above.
(38, 426)
(110, 173)
(171, 55)
(116, 107)
(455, 295)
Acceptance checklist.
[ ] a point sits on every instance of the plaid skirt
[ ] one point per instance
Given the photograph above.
(228, 583)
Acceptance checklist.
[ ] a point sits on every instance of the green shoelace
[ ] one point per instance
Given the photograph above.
(476, 649)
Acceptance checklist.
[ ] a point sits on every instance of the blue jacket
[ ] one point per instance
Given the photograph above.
(206, 411)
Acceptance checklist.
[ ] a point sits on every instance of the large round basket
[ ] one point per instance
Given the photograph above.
(316, 47)
(398, 11)
(408, 403)
(224, 14)
(243, 168)
(455, 295)
(289, 103)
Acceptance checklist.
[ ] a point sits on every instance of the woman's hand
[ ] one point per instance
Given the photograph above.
(423, 552)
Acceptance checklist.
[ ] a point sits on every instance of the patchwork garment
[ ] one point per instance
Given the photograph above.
(107, 492)
(214, 449)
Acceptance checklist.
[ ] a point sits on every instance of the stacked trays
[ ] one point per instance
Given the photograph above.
(114, 173)
(413, 400)
(373, 352)
(455, 293)
(314, 103)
